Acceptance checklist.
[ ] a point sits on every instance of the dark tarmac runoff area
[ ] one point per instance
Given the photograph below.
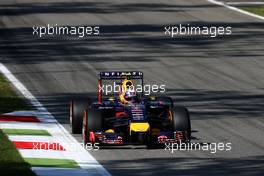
(219, 79)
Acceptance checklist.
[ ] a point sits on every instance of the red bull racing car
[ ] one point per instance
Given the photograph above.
(127, 116)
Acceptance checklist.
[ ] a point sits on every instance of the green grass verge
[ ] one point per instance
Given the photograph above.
(257, 10)
(45, 162)
(11, 162)
(26, 132)
(9, 99)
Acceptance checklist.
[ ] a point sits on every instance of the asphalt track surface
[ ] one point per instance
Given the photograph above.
(220, 80)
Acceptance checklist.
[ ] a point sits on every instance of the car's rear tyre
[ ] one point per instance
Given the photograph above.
(92, 122)
(181, 121)
(77, 108)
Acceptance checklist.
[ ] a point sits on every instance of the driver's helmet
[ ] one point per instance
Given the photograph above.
(127, 93)
(130, 95)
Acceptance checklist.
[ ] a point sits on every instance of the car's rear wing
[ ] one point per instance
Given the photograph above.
(121, 75)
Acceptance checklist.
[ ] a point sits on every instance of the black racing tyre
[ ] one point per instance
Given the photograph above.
(77, 108)
(92, 122)
(181, 121)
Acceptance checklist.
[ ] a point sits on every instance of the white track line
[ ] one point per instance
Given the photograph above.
(236, 9)
(31, 138)
(82, 157)
(28, 153)
(27, 126)
(245, 3)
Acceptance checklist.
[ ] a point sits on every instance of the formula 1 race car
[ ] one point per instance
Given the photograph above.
(127, 116)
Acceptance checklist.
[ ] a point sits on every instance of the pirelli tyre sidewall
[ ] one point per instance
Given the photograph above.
(77, 108)
(92, 122)
(181, 120)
